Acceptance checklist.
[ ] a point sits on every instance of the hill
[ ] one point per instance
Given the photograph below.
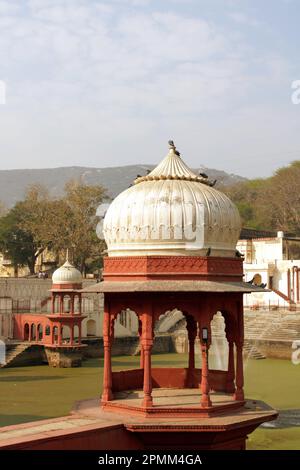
(13, 183)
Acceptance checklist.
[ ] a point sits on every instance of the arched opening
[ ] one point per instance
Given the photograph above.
(56, 303)
(2, 352)
(77, 304)
(33, 332)
(76, 334)
(175, 331)
(129, 320)
(218, 351)
(126, 322)
(66, 304)
(47, 330)
(91, 328)
(129, 352)
(55, 334)
(66, 334)
(26, 332)
(39, 332)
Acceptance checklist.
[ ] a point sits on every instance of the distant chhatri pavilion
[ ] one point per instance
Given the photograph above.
(65, 317)
(171, 241)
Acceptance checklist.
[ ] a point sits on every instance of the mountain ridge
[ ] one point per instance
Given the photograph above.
(13, 183)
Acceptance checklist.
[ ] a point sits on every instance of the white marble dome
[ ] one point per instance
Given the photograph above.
(171, 211)
(67, 274)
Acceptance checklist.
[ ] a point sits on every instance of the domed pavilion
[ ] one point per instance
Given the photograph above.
(66, 317)
(171, 243)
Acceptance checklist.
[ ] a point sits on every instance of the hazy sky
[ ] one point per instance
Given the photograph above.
(108, 82)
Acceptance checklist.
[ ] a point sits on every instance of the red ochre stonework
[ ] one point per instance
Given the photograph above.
(169, 267)
(165, 408)
(145, 392)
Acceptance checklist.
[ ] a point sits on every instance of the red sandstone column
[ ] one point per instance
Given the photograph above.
(79, 333)
(59, 334)
(192, 333)
(61, 303)
(72, 335)
(141, 346)
(107, 379)
(239, 393)
(147, 342)
(205, 398)
(230, 387)
(53, 303)
(147, 401)
(72, 304)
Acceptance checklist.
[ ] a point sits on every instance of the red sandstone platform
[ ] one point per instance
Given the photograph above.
(91, 428)
(171, 403)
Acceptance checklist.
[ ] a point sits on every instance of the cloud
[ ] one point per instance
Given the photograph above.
(243, 19)
(86, 79)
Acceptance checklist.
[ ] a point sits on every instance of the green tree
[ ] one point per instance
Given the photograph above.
(66, 222)
(17, 244)
(247, 195)
(82, 202)
(271, 203)
(40, 222)
(3, 209)
(280, 202)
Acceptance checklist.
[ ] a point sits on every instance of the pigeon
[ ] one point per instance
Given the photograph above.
(208, 252)
(203, 175)
(171, 144)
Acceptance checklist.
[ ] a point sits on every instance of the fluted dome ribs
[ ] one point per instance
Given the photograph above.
(171, 211)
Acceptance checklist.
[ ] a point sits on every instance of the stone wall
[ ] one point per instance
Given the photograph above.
(127, 346)
(64, 357)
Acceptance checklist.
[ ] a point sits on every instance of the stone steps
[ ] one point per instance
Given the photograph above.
(14, 352)
(271, 326)
(251, 351)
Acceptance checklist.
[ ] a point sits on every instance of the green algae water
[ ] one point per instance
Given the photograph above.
(39, 392)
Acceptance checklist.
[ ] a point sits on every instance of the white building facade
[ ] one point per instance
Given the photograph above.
(274, 261)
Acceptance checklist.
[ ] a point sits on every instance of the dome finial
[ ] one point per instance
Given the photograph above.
(173, 148)
(67, 255)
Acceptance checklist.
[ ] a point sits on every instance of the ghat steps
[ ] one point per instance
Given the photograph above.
(15, 351)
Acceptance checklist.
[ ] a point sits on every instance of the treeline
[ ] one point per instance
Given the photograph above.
(41, 222)
(270, 203)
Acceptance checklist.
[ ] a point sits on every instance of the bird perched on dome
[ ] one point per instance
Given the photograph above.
(204, 175)
(172, 146)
